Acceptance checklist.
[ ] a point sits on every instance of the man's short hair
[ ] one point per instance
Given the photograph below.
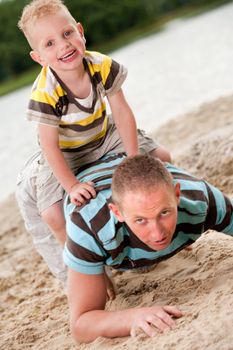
(141, 172)
(37, 9)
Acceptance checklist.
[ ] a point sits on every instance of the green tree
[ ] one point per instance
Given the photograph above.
(102, 21)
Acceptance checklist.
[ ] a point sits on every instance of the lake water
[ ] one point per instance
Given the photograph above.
(169, 73)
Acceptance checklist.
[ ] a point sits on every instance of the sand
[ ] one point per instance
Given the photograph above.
(34, 312)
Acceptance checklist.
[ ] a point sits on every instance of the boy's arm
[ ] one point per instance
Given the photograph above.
(89, 320)
(125, 122)
(49, 141)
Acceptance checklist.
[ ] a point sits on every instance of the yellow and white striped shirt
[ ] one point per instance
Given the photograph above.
(80, 122)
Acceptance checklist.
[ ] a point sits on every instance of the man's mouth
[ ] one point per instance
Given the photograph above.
(161, 243)
(68, 56)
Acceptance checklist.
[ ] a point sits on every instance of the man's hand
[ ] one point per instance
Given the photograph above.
(87, 295)
(82, 191)
(154, 319)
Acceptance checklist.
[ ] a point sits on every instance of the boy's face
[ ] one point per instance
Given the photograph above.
(150, 214)
(58, 42)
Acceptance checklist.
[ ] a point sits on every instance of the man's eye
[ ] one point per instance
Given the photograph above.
(165, 212)
(140, 221)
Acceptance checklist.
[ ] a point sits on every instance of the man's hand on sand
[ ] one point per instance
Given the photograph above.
(154, 319)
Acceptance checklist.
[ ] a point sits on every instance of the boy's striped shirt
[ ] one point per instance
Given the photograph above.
(80, 121)
(96, 238)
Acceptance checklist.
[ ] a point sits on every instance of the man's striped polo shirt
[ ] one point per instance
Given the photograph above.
(96, 238)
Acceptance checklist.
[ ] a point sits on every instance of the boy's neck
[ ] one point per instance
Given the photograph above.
(78, 81)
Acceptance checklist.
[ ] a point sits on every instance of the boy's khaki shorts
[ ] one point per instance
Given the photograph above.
(49, 191)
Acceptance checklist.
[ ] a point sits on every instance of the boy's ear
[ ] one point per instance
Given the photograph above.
(80, 29)
(36, 57)
(116, 211)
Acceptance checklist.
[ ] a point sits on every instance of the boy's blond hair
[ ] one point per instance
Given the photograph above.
(37, 9)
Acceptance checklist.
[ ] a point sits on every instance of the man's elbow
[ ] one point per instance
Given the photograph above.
(80, 333)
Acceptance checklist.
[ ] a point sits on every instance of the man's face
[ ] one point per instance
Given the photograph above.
(150, 214)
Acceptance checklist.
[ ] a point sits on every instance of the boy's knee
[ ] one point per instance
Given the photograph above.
(162, 154)
(54, 218)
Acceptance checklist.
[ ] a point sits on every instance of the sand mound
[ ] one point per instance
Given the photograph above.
(202, 142)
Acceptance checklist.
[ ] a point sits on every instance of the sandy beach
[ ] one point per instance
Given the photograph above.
(34, 312)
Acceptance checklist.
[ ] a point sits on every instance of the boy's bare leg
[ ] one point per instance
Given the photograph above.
(54, 218)
(162, 154)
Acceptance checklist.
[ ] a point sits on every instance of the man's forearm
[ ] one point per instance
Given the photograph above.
(89, 319)
(102, 323)
(110, 324)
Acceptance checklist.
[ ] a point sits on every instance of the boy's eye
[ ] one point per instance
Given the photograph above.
(67, 33)
(49, 43)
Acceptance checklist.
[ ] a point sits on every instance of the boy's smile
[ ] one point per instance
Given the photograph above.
(69, 56)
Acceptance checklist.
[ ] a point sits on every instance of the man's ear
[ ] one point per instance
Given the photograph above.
(116, 211)
(177, 192)
(36, 57)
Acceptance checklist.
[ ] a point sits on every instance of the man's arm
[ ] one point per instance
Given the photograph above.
(87, 298)
(125, 122)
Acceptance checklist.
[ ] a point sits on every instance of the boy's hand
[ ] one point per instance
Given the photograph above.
(82, 191)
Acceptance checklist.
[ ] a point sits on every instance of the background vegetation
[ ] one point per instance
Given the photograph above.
(107, 24)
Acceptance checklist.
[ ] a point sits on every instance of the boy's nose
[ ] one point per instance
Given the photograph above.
(64, 44)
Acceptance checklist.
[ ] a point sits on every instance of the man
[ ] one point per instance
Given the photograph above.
(151, 213)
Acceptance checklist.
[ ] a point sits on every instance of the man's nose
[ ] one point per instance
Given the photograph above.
(157, 232)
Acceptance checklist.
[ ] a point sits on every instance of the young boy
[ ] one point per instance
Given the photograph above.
(67, 101)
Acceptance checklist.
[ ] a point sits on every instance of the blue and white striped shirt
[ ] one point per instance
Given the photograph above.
(96, 238)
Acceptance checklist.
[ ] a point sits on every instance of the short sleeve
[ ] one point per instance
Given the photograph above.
(108, 74)
(113, 75)
(45, 103)
(220, 212)
(82, 252)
